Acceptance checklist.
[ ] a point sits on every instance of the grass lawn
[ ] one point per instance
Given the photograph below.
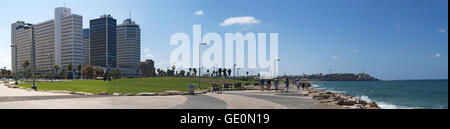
(126, 86)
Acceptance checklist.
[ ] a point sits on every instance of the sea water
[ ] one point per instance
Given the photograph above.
(408, 94)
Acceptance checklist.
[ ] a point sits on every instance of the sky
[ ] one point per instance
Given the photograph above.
(389, 39)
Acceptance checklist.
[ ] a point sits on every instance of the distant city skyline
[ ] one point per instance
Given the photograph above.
(404, 39)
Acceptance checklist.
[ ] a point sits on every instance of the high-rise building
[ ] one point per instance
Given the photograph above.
(45, 46)
(103, 42)
(128, 44)
(71, 40)
(86, 46)
(57, 41)
(21, 40)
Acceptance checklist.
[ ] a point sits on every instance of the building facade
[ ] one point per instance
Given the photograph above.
(128, 44)
(148, 68)
(45, 46)
(102, 42)
(21, 47)
(57, 41)
(71, 40)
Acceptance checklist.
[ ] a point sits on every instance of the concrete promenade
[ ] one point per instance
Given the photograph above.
(252, 99)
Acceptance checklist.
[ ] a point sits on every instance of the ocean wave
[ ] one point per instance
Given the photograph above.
(385, 105)
(336, 91)
(315, 85)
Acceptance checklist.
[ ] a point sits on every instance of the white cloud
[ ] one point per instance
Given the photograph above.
(199, 13)
(149, 56)
(437, 55)
(146, 50)
(441, 30)
(246, 20)
(335, 57)
(354, 51)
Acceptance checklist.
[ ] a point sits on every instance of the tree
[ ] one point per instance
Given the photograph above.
(56, 68)
(88, 72)
(69, 70)
(195, 71)
(247, 73)
(25, 66)
(99, 71)
(220, 72)
(224, 72)
(190, 71)
(79, 71)
(229, 72)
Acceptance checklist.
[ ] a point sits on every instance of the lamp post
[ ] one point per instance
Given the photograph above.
(234, 70)
(274, 66)
(200, 63)
(33, 54)
(15, 62)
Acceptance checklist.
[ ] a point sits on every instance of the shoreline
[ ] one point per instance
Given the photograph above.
(340, 99)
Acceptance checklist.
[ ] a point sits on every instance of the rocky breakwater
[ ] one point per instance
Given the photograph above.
(342, 100)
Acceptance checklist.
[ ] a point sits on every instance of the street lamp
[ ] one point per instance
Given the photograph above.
(274, 66)
(234, 70)
(15, 54)
(200, 63)
(33, 54)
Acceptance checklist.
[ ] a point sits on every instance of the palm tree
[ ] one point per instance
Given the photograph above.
(56, 68)
(224, 72)
(25, 66)
(220, 72)
(229, 72)
(195, 71)
(69, 70)
(190, 71)
(79, 71)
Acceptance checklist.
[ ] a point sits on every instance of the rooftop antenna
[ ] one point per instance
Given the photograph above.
(129, 13)
(64, 3)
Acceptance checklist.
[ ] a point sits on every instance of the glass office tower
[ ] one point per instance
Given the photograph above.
(103, 42)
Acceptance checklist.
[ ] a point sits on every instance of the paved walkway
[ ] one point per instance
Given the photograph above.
(23, 99)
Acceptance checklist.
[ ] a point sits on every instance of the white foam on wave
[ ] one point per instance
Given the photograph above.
(339, 92)
(385, 105)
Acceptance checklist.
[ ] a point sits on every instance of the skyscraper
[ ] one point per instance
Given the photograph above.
(58, 41)
(103, 41)
(21, 41)
(128, 44)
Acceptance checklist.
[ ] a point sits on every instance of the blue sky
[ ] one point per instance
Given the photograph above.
(390, 39)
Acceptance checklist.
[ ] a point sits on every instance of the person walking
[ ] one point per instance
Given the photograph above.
(261, 81)
(276, 82)
(304, 85)
(287, 84)
(298, 85)
(269, 84)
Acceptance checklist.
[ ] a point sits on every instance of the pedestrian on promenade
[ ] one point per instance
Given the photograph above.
(287, 84)
(298, 85)
(269, 84)
(304, 85)
(276, 82)
(261, 81)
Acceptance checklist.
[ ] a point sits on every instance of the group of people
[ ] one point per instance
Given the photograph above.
(300, 84)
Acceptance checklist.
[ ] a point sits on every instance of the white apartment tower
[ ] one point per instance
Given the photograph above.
(58, 41)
